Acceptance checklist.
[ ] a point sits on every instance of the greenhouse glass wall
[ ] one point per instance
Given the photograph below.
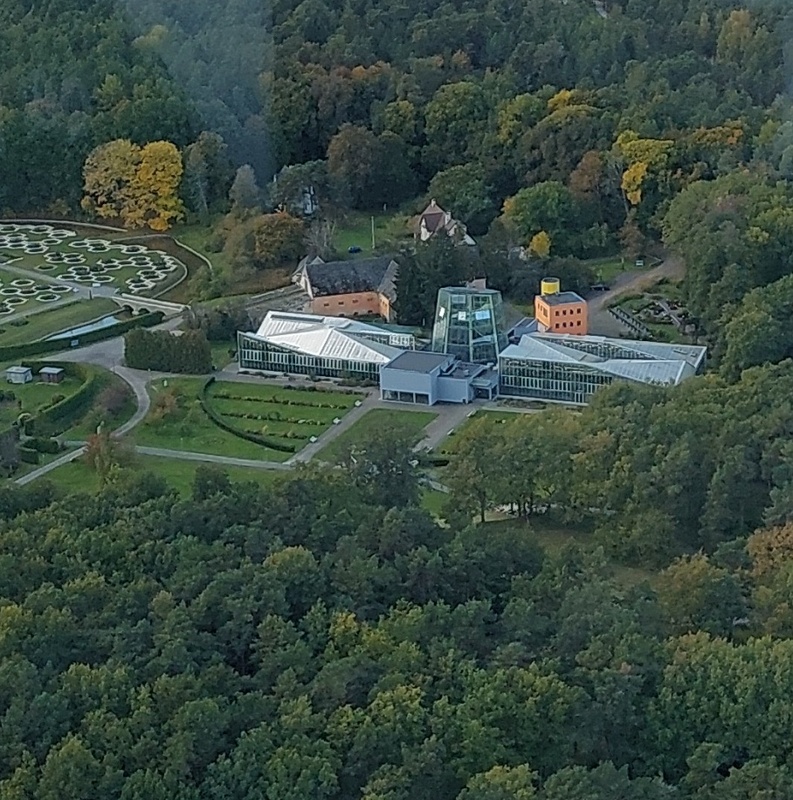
(469, 324)
(255, 354)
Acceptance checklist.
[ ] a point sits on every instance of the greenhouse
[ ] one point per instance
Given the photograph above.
(323, 347)
(570, 369)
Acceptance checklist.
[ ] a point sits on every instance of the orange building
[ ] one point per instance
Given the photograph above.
(356, 288)
(560, 312)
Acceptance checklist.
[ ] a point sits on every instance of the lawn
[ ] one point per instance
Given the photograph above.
(31, 397)
(77, 477)
(220, 353)
(433, 501)
(86, 426)
(291, 416)
(410, 423)
(356, 231)
(606, 269)
(51, 321)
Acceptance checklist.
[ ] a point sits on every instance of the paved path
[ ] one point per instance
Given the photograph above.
(449, 417)
(58, 462)
(601, 322)
(347, 421)
(227, 461)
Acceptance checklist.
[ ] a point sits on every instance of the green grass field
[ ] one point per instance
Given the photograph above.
(78, 477)
(191, 430)
(220, 353)
(52, 320)
(85, 427)
(356, 231)
(411, 423)
(448, 445)
(31, 397)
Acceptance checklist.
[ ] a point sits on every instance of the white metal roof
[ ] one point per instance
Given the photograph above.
(644, 362)
(326, 337)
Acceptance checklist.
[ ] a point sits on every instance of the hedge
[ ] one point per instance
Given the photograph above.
(55, 418)
(43, 445)
(27, 455)
(275, 399)
(12, 352)
(426, 460)
(238, 432)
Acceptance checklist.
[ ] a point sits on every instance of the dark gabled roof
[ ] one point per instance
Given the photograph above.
(348, 277)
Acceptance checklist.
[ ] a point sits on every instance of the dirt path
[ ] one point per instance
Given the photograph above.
(601, 323)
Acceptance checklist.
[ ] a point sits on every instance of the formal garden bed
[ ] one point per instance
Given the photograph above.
(252, 416)
(60, 253)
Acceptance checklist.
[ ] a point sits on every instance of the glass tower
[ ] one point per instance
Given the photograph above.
(469, 324)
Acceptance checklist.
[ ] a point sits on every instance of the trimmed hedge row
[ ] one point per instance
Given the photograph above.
(55, 418)
(27, 455)
(43, 445)
(274, 416)
(238, 432)
(433, 461)
(13, 352)
(275, 399)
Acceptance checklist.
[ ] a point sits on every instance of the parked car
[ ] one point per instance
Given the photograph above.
(354, 249)
(599, 287)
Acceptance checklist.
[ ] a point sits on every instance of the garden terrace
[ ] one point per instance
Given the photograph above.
(287, 418)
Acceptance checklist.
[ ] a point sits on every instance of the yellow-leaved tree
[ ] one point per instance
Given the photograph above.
(139, 186)
(540, 245)
(110, 174)
(640, 157)
(632, 180)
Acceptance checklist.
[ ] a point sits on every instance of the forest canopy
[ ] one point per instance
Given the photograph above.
(312, 640)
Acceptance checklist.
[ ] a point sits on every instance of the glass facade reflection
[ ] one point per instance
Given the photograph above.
(469, 324)
(547, 380)
(253, 353)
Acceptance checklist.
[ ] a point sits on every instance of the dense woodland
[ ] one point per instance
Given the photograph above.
(325, 637)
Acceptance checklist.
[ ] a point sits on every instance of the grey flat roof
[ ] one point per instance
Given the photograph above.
(418, 361)
(50, 371)
(562, 297)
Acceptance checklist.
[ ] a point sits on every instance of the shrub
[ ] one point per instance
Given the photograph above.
(43, 445)
(28, 456)
(111, 399)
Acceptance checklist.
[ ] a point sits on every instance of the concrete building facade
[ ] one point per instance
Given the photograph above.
(428, 378)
